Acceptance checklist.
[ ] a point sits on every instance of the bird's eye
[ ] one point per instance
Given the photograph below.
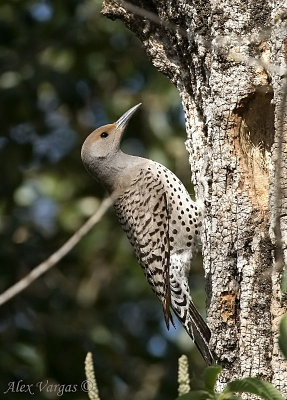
(104, 135)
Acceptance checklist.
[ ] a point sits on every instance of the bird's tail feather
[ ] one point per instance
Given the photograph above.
(199, 332)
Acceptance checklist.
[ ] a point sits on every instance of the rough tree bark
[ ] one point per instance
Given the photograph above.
(228, 59)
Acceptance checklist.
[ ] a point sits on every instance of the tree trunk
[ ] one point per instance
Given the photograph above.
(228, 59)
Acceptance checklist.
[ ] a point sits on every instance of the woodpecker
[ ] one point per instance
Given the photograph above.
(161, 221)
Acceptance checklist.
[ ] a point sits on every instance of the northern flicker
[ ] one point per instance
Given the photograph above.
(162, 223)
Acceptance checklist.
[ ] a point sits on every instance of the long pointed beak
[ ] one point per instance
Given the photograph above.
(124, 119)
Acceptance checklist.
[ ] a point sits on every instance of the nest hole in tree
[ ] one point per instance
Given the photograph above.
(254, 137)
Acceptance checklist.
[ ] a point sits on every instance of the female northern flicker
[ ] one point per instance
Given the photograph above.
(161, 221)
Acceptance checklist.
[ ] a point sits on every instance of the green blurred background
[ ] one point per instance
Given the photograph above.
(65, 70)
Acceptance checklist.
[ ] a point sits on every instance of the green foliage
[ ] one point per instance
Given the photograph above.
(284, 280)
(197, 395)
(210, 375)
(263, 389)
(255, 386)
(283, 336)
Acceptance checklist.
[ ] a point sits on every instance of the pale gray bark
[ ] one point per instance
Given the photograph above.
(228, 59)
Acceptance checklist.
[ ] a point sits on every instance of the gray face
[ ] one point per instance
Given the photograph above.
(103, 144)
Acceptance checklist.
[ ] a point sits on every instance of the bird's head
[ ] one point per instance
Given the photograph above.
(103, 144)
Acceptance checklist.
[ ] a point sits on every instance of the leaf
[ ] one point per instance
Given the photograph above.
(228, 396)
(283, 336)
(255, 386)
(284, 280)
(197, 395)
(210, 376)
